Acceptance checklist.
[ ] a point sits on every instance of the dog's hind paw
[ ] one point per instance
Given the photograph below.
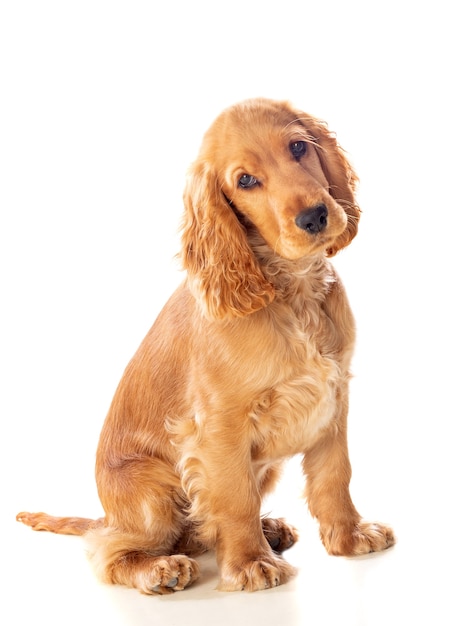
(279, 535)
(166, 574)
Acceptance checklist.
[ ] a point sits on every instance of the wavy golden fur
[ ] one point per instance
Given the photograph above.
(247, 365)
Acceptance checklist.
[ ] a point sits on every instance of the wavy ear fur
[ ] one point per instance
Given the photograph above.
(340, 175)
(223, 273)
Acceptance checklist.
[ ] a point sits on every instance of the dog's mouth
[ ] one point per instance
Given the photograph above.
(310, 232)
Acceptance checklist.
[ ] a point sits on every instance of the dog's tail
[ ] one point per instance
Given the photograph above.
(60, 525)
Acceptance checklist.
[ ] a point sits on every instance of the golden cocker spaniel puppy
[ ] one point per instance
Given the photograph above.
(247, 365)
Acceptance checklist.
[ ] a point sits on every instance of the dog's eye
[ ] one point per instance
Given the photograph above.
(247, 181)
(298, 149)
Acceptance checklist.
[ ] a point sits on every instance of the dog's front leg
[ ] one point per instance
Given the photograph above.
(328, 471)
(227, 507)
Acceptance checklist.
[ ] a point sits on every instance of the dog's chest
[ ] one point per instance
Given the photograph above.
(287, 417)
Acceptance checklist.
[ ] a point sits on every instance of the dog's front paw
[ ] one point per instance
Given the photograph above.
(358, 539)
(263, 573)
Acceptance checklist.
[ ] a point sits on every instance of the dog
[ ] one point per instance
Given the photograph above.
(247, 365)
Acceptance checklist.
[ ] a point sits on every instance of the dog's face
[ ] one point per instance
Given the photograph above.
(269, 167)
(266, 174)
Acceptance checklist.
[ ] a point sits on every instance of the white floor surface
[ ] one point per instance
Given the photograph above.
(426, 578)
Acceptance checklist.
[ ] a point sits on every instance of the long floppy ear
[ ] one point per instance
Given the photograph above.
(223, 273)
(340, 175)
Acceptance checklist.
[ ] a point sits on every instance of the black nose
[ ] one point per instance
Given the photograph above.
(313, 220)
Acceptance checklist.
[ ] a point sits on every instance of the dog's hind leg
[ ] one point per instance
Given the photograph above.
(145, 519)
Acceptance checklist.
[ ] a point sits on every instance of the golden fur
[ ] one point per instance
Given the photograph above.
(247, 365)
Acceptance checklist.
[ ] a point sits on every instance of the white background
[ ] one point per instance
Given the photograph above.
(102, 108)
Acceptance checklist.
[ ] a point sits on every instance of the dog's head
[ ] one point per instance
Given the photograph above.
(268, 166)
